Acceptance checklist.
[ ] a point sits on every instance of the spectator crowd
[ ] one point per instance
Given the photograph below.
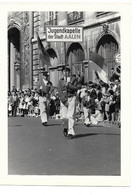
(95, 103)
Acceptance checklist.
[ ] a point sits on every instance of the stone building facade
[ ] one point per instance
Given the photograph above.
(101, 34)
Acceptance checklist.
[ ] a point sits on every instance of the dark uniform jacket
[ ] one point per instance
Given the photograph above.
(62, 90)
(67, 91)
(46, 88)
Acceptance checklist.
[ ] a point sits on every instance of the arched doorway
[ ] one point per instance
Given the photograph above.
(13, 58)
(53, 69)
(107, 47)
(75, 57)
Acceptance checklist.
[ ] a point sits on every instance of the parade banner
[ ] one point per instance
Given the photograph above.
(97, 67)
(43, 54)
(64, 34)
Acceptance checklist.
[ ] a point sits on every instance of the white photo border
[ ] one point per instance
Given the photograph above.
(124, 179)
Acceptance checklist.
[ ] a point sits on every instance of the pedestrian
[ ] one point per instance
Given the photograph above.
(106, 98)
(52, 107)
(15, 102)
(57, 103)
(44, 89)
(22, 104)
(67, 89)
(14, 89)
(111, 106)
(10, 104)
(36, 104)
(117, 106)
(27, 103)
(86, 106)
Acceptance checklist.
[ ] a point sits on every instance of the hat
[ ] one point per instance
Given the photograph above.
(46, 73)
(43, 71)
(67, 68)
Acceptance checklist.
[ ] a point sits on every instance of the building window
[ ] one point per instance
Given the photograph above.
(52, 18)
(75, 17)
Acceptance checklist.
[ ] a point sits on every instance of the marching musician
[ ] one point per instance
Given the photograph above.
(44, 89)
(67, 89)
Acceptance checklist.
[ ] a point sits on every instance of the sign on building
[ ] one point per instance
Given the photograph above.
(64, 34)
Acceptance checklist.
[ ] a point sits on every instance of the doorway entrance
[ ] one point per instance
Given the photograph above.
(107, 47)
(13, 58)
(75, 56)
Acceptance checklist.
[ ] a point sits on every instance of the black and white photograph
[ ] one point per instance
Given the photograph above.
(64, 93)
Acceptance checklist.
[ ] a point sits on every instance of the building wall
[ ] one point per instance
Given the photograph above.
(20, 21)
(93, 26)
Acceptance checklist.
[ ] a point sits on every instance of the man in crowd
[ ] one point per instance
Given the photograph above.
(15, 102)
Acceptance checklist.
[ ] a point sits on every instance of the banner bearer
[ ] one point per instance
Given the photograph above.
(44, 88)
(67, 89)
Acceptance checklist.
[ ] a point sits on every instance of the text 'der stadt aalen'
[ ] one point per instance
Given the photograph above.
(64, 34)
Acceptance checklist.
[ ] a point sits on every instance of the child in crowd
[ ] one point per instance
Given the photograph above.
(86, 108)
(36, 104)
(97, 117)
(22, 104)
(31, 105)
(36, 110)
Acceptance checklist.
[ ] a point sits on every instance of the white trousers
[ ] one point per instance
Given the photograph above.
(93, 120)
(68, 114)
(44, 109)
(86, 116)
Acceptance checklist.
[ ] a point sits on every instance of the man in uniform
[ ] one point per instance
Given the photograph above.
(67, 89)
(44, 89)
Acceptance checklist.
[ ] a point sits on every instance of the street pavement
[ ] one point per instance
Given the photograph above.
(37, 150)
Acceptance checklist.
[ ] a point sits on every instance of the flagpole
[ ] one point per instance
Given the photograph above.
(65, 60)
(40, 68)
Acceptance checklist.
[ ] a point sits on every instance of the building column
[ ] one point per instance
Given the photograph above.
(12, 60)
(18, 79)
(86, 72)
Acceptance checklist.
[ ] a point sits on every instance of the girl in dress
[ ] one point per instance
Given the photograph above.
(22, 104)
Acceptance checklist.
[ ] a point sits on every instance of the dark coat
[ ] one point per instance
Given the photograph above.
(93, 94)
(67, 91)
(62, 91)
(73, 86)
(45, 88)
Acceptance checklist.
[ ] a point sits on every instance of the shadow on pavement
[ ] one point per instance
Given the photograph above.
(53, 125)
(90, 134)
(85, 135)
(14, 125)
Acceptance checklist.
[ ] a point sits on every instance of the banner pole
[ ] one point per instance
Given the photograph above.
(40, 67)
(65, 55)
